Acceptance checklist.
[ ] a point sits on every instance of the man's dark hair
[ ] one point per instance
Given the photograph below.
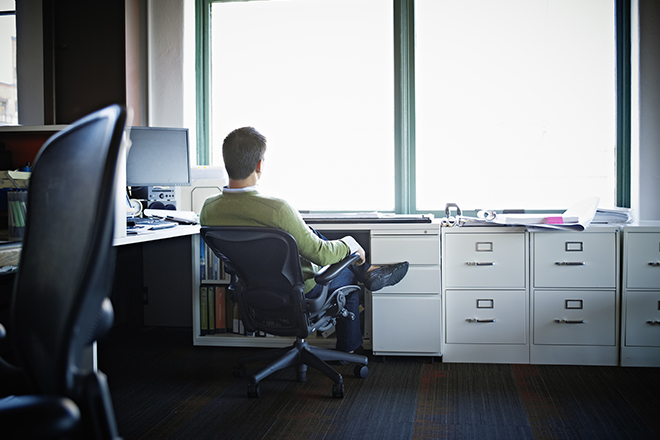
(242, 150)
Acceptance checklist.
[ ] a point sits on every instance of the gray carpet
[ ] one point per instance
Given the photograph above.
(164, 388)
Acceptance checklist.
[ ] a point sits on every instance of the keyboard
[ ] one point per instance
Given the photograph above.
(151, 224)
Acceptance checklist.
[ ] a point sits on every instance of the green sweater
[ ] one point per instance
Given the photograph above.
(253, 209)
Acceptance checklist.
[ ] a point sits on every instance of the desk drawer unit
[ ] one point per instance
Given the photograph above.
(407, 317)
(574, 317)
(485, 317)
(484, 260)
(574, 259)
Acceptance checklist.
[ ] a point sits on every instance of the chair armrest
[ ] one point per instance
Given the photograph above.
(12, 378)
(329, 273)
(6, 369)
(44, 417)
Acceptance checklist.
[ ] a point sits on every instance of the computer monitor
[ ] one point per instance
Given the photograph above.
(158, 156)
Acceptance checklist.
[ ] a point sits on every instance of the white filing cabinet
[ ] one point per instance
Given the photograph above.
(640, 334)
(575, 297)
(407, 317)
(485, 286)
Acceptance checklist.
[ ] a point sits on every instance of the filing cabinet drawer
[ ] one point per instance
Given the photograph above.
(422, 279)
(573, 259)
(643, 265)
(485, 260)
(413, 248)
(406, 324)
(643, 319)
(486, 317)
(575, 317)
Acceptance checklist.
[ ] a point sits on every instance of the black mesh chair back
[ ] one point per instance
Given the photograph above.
(61, 301)
(267, 267)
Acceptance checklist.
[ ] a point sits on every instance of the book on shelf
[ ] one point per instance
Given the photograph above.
(215, 309)
(210, 307)
(220, 314)
(236, 320)
(202, 259)
(229, 313)
(203, 310)
(211, 267)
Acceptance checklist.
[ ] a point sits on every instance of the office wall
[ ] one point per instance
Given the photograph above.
(70, 59)
(645, 184)
(166, 63)
(30, 62)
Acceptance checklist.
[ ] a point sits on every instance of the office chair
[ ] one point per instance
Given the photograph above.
(60, 304)
(267, 283)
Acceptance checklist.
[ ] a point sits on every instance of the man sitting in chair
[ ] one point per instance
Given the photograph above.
(240, 204)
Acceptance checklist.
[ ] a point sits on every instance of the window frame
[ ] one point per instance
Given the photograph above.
(404, 98)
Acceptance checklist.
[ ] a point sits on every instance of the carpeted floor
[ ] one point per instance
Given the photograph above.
(164, 388)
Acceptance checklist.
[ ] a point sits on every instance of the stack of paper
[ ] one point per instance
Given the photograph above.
(576, 218)
(613, 215)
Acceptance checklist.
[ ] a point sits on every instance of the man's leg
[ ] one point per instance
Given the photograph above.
(349, 332)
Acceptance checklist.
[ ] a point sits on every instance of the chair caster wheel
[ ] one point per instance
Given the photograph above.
(253, 390)
(361, 371)
(239, 372)
(338, 390)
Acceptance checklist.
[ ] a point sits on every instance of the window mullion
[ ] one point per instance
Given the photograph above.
(623, 70)
(203, 78)
(404, 103)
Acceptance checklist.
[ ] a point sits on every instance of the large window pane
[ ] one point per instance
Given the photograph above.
(316, 78)
(515, 103)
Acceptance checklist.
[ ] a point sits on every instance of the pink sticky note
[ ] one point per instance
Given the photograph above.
(555, 220)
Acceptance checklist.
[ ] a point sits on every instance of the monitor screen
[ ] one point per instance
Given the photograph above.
(158, 157)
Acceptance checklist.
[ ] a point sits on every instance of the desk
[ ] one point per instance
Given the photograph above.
(399, 320)
(161, 234)
(10, 254)
(157, 271)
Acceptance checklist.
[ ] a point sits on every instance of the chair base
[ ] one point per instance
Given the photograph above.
(301, 355)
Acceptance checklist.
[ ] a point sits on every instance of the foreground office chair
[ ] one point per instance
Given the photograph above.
(267, 283)
(60, 304)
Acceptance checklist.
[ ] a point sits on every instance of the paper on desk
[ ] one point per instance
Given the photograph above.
(184, 216)
(341, 215)
(575, 218)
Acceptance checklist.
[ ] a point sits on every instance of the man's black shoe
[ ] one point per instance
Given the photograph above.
(385, 276)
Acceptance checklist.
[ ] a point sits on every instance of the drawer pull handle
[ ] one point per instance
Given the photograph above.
(480, 263)
(570, 321)
(653, 322)
(654, 263)
(480, 320)
(570, 263)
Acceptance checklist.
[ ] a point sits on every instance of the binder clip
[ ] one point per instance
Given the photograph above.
(450, 220)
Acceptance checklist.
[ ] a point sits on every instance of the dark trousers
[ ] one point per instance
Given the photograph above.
(349, 332)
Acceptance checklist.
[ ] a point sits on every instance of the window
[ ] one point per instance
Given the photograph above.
(8, 93)
(315, 77)
(515, 103)
(503, 103)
